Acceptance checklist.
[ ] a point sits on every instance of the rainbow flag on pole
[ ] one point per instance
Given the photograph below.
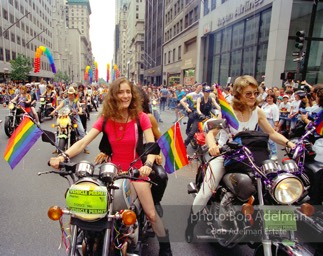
(319, 123)
(22, 139)
(227, 111)
(173, 148)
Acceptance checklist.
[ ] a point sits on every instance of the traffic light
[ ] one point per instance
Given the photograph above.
(300, 38)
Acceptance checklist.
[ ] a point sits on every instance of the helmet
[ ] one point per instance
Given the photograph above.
(206, 88)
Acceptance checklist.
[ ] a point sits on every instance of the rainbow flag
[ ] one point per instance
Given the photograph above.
(22, 139)
(227, 111)
(173, 148)
(319, 123)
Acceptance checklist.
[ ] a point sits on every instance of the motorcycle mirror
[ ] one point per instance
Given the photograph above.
(216, 124)
(48, 137)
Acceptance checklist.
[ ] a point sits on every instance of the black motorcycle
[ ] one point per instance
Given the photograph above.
(106, 217)
(252, 202)
(14, 118)
(45, 108)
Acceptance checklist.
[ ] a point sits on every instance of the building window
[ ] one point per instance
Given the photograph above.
(205, 7)
(7, 55)
(174, 54)
(13, 39)
(179, 52)
(1, 54)
(13, 55)
(5, 14)
(213, 4)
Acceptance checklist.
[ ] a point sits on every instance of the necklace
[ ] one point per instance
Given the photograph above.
(121, 128)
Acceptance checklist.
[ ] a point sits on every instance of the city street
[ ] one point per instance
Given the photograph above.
(26, 197)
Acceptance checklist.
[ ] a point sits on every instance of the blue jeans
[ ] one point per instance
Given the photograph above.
(272, 144)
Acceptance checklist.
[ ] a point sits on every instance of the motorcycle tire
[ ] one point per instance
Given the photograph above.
(40, 116)
(62, 144)
(8, 126)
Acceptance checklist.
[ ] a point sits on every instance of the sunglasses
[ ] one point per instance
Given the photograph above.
(250, 94)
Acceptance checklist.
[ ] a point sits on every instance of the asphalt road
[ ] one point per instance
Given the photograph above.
(25, 198)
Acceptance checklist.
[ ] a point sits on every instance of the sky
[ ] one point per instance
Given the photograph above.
(102, 22)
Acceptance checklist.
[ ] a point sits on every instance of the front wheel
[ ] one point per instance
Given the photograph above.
(9, 126)
(62, 144)
(40, 116)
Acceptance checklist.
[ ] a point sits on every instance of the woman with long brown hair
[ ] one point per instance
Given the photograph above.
(121, 108)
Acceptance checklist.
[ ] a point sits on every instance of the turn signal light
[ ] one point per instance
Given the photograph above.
(55, 213)
(53, 125)
(75, 126)
(129, 217)
(307, 209)
(247, 209)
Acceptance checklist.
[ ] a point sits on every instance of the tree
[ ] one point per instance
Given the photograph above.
(60, 76)
(20, 68)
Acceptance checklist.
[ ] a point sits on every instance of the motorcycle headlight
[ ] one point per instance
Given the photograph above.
(11, 106)
(286, 188)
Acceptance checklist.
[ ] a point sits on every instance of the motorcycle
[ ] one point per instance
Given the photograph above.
(11, 122)
(199, 134)
(251, 203)
(45, 109)
(66, 126)
(106, 217)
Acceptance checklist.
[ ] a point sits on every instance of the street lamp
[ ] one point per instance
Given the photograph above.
(3, 32)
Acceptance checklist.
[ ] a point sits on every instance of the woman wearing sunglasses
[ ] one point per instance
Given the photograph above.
(249, 116)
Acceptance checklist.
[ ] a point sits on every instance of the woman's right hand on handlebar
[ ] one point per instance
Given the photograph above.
(214, 150)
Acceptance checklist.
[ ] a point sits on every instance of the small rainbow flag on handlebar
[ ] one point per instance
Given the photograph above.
(22, 139)
(227, 111)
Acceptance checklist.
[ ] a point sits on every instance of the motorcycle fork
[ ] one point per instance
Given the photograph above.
(108, 232)
(266, 242)
(74, 240)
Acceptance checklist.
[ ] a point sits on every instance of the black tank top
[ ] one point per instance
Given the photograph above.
(205, 108)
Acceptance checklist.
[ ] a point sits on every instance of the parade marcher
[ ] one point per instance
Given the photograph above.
(33, 102)
(23, 99)
(271, 111)
(189, 104)
(163, 98)
(121, 109)
(284, 109)
(180, 93)
(249, 115)
(75, 107)
(204, 105)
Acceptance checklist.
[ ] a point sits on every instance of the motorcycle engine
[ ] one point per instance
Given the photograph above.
(240, 184)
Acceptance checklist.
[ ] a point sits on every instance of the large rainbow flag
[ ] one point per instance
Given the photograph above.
(227, 111)
(22, 139)
(173, 148)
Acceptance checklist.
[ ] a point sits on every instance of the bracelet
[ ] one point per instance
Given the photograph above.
(66, 156)
(149, 164)
(287, 143)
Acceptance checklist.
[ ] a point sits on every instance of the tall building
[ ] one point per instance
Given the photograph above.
(181, 24)
(121, 56)
(78, 14)
(154, 39)
(135, 40)
(258, 38)
(24, 26)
